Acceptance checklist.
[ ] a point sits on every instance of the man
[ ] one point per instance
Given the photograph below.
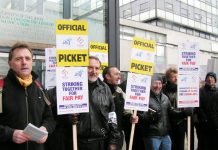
(97, 130)
(206, 121)
(61, 138)
(155, 122)
(137, 140)
(178, 125)
(22, 102)
(111, 76)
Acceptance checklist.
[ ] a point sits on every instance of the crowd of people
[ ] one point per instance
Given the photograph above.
(107, 125)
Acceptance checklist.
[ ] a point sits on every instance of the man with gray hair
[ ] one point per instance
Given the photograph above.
(97, 129)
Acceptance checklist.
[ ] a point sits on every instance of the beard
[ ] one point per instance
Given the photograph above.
(171, 86)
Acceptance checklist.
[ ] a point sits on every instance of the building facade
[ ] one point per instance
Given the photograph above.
(33, 22)
(170, 22)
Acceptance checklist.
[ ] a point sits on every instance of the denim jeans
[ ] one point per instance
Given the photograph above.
(158, 143)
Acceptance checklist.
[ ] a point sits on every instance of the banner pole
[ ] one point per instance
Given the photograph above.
(189, 132)
(132, 131)
(74, 137)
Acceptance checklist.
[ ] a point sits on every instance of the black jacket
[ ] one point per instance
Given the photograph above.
(207, 113)
(61, 137)
(96, 124)
(160, 125)
(170, 90)
(123, 116)
(20, 107)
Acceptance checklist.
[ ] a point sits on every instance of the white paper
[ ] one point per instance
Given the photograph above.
(34, 132)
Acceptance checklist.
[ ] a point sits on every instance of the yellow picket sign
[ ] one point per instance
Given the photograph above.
(72, 58)
(143, 44)
(142, 67)
(71, 27)
(98, 47)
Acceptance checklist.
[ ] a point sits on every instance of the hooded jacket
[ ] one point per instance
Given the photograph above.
(20, 107)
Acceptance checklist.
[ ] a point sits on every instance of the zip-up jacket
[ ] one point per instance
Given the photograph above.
(20, 107)
(96, 124)
(161, 125)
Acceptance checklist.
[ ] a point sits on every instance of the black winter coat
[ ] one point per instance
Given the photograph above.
(96, 124)
(20, 107)
(207, 113)
(61, 138)
(161, 125)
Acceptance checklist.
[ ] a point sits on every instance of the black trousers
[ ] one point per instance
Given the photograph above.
(92, 145)
(178, 135)
(207, 137)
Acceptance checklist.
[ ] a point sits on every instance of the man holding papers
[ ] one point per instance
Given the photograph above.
(23, 102)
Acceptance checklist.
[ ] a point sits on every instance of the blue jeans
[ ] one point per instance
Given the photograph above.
(158, 143)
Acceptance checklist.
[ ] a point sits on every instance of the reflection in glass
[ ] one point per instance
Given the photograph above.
(94, 12)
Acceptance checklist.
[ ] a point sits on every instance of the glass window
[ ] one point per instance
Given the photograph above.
(144, 6)
(207, 36)
(197, 33)
(209, 21)
(190, 31)
(49, 8)
(126, 1)
(126, 13)
(184, 12)
(139, 33)
(168, 6)
(94, 12)
(197, 17)
(182, 29)
(128, 33)
(214, 21)
(160, 50)
(168, 26)
(176, 28)
(160, 38)
(212, 37)
(202, 35)
(208, 2)
(213, 2)
(160, 24)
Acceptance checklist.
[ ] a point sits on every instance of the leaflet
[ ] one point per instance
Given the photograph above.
(34, 132)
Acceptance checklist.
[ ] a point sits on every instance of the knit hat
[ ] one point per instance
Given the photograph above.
(212, 74)
(156, 77)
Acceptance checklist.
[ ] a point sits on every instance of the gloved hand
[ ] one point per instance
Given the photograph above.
(187, 112)
(154, 116)
(75, 118)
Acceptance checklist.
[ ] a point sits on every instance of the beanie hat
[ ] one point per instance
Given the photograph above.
(212, 74)
(156, 77)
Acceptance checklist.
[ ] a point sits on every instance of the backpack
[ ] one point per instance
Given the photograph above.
(37, 84)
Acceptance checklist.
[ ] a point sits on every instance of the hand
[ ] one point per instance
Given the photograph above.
(112, 147)
(134, 119)
(20, 137)
(188, 112)
(43, 139)
(75, 118)
(154, 115)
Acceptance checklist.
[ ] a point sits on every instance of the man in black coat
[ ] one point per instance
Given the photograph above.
(97, 129)
(178, 125)
(112, 78)
(206, 121)
(23, 102)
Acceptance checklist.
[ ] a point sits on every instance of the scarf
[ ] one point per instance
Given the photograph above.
(25, 83)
